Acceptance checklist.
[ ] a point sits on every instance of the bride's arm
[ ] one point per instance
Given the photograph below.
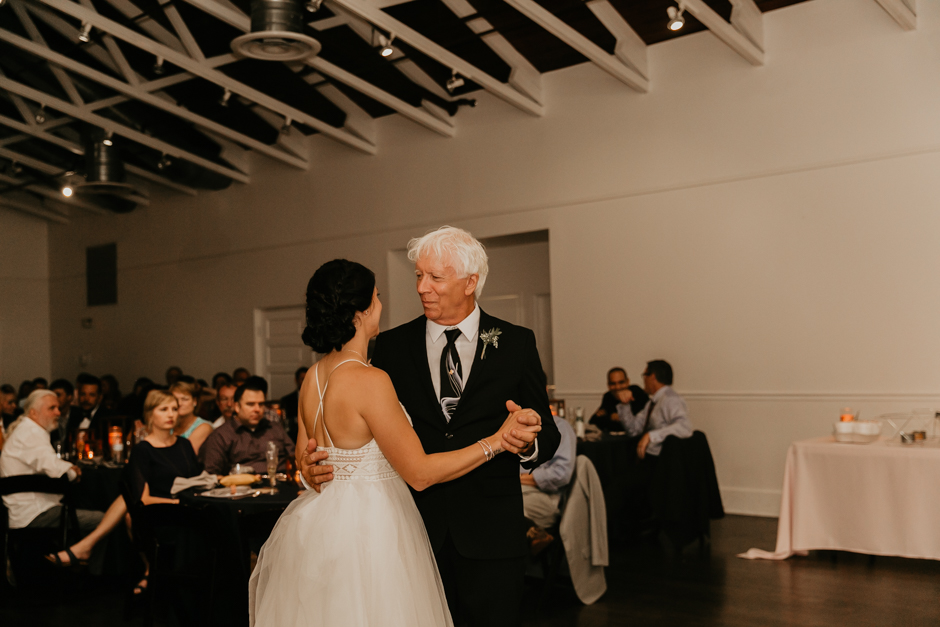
(401, 446)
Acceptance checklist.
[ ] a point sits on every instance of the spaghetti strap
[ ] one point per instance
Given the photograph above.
(326, 384)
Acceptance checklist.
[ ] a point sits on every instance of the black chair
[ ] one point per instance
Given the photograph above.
(684, 493)
(24, 547)
(552, 561)
(180, 544)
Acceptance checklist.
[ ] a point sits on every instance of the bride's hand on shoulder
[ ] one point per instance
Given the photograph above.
(519, 430)
(310, 467)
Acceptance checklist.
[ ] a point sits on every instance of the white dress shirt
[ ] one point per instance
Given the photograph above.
(466, 344)
(29, 451)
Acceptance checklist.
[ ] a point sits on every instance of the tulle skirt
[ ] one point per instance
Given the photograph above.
(356, 555)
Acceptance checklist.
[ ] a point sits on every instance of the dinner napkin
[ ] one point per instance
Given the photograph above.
(202, 480)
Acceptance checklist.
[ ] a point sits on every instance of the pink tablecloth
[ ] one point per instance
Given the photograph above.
(881, 498)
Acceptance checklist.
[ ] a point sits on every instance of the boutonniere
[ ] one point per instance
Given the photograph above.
(490, 337)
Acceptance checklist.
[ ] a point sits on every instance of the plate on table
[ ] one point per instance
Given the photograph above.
(225, 492)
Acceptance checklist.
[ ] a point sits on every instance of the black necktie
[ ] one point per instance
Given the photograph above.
(451, 374)
(649, 415)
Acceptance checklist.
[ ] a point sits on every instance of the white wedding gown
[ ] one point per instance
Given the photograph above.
(354, 555)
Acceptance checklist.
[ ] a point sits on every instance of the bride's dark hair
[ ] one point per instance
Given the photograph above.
(336, 291)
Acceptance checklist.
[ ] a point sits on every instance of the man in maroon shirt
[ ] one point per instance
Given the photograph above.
(244, 440)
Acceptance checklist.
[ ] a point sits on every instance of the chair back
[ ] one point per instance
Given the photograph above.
(33, 483)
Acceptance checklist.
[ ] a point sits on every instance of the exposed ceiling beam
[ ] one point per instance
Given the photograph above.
(194, 67)
(150, 98)
(64, 79)
(630, 48)
(748, 17)
(440, 54)
(30, 162)
(904, 12)
(13, 139)
(242, 22)
(32, 209)
(52, 194)
(557, 27)
(40, 132)
(182, 31)
(119, 129)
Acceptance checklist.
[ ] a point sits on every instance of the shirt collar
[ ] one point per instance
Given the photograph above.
(261, 426)
(659, 393)
(468, 326)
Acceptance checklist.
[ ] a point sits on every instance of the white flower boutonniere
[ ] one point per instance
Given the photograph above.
(490, 337)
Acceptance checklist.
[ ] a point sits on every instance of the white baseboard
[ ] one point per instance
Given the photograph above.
(751, 501)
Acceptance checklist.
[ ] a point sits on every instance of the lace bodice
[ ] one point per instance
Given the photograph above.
(361, 464)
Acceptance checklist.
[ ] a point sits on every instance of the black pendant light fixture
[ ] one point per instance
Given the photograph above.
(276, 33)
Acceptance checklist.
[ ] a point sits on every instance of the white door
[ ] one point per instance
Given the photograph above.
(279, 350)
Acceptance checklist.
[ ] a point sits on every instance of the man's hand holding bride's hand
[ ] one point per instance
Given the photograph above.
(520, 429)
(310, 467)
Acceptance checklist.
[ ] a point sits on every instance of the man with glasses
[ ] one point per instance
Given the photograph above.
(663, 415)
(606, 417)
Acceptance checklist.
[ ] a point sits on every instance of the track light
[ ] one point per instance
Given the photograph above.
(14, 169)
(164, 162)
(67, 191)
(676, 19)
(454, 82)
(225, 98)
(158, 68)
(314, 5)
(387, 49)
(107, 139)
(287, 124)
(41, 114)
(84, 35)
(2, 2)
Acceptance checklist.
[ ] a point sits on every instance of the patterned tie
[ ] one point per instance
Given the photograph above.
(451, 374)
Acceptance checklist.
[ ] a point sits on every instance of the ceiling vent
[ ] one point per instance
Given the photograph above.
(276, 33)
(105, 179)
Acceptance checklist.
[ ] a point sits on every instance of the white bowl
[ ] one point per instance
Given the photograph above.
(844, 427)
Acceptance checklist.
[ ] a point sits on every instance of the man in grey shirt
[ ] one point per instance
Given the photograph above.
(665, 414)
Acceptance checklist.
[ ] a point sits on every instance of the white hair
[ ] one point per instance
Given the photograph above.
(456, 246)
(30, 402)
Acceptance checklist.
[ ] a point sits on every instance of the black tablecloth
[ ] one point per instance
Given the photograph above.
(244, 525)
(97, 489)
(614, 458)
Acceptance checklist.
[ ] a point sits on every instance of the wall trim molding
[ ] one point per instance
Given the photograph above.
(741, 395)
(751, 502)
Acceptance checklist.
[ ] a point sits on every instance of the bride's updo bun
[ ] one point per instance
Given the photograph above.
(336, 291)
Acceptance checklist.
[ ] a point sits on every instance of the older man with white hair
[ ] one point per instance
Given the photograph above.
(28, 451)
(457, 370)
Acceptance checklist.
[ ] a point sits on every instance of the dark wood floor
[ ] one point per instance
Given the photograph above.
(645, 588)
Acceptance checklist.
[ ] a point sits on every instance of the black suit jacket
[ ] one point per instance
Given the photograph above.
(482, 511)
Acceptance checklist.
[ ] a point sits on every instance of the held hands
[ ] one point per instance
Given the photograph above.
(625, 396)
(520, 429)
(310, 467)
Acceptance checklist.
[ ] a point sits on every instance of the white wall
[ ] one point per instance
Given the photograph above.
(24, 298)
(771, 231)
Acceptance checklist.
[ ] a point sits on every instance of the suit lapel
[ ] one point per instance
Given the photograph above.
(419, 353)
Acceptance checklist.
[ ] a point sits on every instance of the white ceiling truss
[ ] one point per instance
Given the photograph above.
(174, 41)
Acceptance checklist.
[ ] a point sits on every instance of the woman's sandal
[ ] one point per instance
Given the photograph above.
(73, 562)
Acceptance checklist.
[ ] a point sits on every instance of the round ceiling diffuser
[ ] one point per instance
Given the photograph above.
(276, 33)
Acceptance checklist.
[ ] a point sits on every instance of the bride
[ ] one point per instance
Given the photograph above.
(357, 554)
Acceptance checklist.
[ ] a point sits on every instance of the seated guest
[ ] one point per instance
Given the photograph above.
(110, 393)
(161, 457)
(69, 414)
(28, 451)
(240, 375)
(665, 414)
(289, 403)
(173, 373)
(541, 488)
(133, 404)
(224, 407)
(189, 426)
(40, 383)
(9, 410)
(158, 460)
(219, 379)
(89, 401)
(606, 417)
(244, 439)
(26, 388)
